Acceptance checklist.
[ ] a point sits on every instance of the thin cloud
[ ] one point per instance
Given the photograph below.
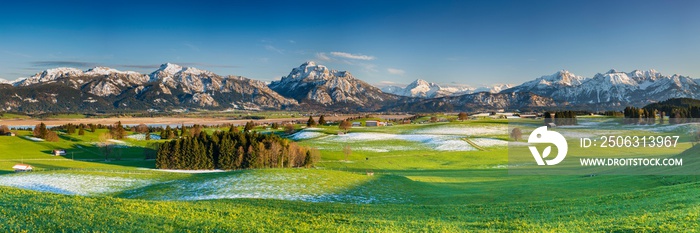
(18, 54)
(372, 68)
(192, 47)
(389, 83)
(353, 56)
(185, 64)
(207, 65)
(323, 57)
(63, 63)
(273, 49)
(396, 71)
(140, 66)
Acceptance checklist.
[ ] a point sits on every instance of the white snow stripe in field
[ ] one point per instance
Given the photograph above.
(70, 183)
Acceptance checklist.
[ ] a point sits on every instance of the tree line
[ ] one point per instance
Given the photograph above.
(561, 118)
(233, 150)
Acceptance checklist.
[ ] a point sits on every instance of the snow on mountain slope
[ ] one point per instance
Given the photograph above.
(49, 75)
(613, 87)
(425, 89)
(315, 84)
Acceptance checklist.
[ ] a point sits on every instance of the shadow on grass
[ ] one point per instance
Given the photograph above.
(69, 138)
(129, 156)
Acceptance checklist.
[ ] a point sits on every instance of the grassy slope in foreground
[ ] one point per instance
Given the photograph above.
(670, 208)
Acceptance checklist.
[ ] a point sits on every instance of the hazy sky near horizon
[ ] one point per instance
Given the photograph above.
(381, 42)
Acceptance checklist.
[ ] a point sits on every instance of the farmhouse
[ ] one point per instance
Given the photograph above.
(22, 167)
(356, 124)
(374, 123)
(59, 152)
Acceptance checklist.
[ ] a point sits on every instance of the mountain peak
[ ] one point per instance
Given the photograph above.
(167, 70)
(419, 82)
(101, 70)
(170, 67)
(309, 63)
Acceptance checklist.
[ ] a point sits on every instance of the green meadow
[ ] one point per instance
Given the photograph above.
(401, 178)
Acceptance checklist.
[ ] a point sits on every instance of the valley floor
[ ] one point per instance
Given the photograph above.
(426, 177)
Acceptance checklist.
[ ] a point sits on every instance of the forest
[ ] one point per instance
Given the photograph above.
(233, 150)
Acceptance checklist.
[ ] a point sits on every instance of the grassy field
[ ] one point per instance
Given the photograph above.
(426, 178)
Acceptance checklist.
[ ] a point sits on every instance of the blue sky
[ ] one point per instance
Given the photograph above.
(467, 42)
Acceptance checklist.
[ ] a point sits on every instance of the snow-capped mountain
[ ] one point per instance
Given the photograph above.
(424, 89)
(418, 88)
(480, 101)
(497, 88)
(170, 86)
(549, 84)
(314, 84)
(613, 88)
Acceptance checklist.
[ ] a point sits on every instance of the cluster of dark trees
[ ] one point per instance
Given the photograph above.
(170, 133)
(233, 150)
(634, 112)
(561, 118)
(613, 113)
(678, 110)
(311, 122)
(40, 131)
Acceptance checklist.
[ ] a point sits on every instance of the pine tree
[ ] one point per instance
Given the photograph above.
(184, 132)
(310, 122)
(321, 120)
(249, 126)
(250, 157)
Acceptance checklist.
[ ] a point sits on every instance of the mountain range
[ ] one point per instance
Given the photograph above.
(315, 87)
(425, 89)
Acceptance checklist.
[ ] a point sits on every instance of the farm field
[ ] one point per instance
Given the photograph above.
(446, 177)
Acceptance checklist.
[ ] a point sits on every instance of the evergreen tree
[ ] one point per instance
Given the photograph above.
(321, 120)
(249, 126)
(184, 132)
(310, 122)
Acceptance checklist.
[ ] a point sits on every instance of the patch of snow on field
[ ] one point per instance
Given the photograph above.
(306, 135)
(489, 142)
(188, 171)
(299, 187)
(34, 139)
(116, 141)
(70, 183)
(142, 137)
(436, 142)
(463, 130)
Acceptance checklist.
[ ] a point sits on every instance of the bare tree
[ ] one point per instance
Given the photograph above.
(141, 128)
(347, 151)
(516, 134)
(345, 125)
(462, 116)
(289, 128)
(4, 129)
(105, 145)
